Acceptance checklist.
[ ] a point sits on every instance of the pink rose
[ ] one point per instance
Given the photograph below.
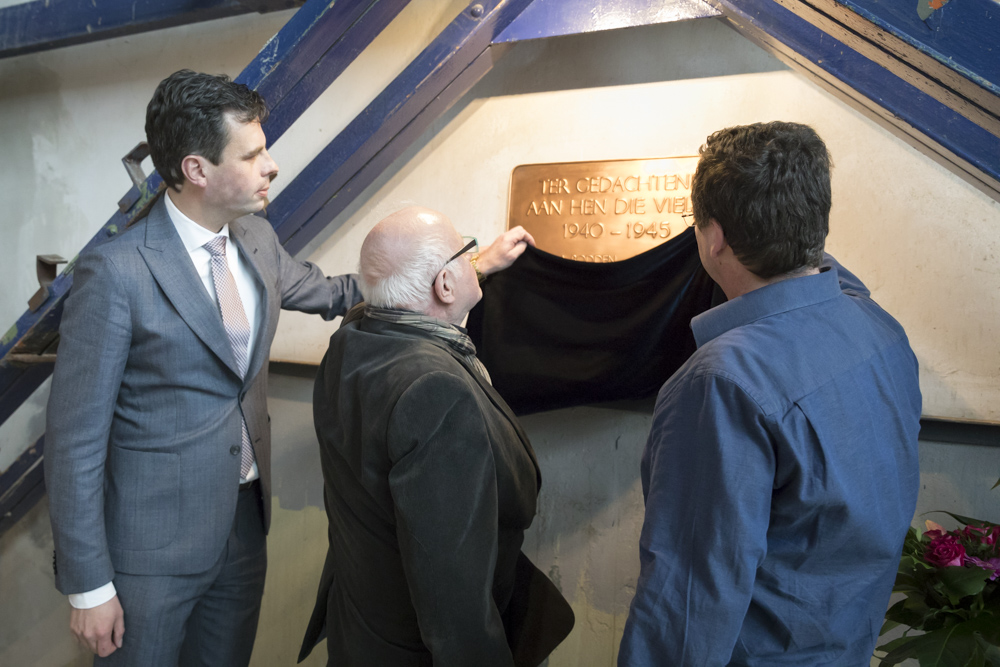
(944, 551)
(981, 535)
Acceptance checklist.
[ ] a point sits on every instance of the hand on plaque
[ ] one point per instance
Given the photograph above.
(501, 253)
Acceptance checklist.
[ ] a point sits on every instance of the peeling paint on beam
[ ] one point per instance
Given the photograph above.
(318, 58)
(341, 170)
(962, 146)
(48, 24)
(963, 36)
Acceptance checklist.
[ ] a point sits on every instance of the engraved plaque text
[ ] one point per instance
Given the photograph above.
(602, 211)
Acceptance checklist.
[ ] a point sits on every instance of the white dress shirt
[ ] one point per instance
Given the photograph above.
(194, 237)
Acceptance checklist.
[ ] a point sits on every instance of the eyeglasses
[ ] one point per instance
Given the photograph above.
(688, 219)
(471, 246)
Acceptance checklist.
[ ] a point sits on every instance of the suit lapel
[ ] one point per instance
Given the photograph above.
(171, 266)
(501, 405)
(387, 328)
(265, 277)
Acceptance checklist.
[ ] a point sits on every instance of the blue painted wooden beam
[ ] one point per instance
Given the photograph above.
(555, 18)
(49, 24)
(963, 35)
(364, 21)
(21, 486)
(332, 180)
(969, 93)
(931, 126)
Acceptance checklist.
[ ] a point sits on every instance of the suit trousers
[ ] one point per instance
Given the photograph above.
(206, 619)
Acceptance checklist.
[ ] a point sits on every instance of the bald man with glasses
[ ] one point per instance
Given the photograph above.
(430, 482)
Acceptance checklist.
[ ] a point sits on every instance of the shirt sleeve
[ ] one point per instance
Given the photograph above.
(93, 598)
(443, 485)
(707, 474)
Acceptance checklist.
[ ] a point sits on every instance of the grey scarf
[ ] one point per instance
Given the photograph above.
(455, 336)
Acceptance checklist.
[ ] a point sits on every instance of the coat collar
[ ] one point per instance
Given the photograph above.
(764, 302)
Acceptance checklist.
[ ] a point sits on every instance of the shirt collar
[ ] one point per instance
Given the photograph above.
(193, 235)
(766, 301)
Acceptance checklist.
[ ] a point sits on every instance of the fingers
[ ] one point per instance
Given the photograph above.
(101, 629)
(118, 633)
(105, 645)
(516, 251)
(523, 235)
(79, 627)
(501, 253)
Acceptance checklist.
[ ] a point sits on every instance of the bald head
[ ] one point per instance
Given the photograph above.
(402, 255)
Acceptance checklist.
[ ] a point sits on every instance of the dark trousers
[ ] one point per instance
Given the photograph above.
(207, 619)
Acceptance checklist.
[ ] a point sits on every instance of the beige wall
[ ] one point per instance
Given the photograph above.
(923, 240)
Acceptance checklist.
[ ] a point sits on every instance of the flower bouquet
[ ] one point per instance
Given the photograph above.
(950, 580)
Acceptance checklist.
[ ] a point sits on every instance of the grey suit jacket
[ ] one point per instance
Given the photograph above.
(142, 460)
(430, 485)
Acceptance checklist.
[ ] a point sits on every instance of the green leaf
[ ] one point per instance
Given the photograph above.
(959, 645)
(964, 519)
(986, 626)
(894, 645)
(962, 581)
(917, 604)
(990, 652)
(888, 625)
(978, 657)
(948, 647)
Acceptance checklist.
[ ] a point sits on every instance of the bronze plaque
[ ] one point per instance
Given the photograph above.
(602, 211)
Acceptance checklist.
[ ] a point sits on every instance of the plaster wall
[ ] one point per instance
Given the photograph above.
(67, 116)
(925, 242)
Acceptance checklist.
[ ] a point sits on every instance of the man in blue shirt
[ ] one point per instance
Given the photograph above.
(781, 472)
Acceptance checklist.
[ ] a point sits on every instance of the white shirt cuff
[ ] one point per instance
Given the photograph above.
(91, 599)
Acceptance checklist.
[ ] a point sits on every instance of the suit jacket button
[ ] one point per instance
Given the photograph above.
(234, 450)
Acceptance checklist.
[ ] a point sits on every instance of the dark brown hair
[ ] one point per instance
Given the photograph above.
(186, 116)
(768, 187)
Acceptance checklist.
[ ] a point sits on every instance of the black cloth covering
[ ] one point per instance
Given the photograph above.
(556, 333)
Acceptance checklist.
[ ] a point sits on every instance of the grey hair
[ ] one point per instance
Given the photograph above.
(404, 281)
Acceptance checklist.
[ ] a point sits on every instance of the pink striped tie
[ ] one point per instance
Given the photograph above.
(234, 318)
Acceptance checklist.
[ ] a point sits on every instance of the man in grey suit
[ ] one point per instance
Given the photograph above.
(430, 480)
(158, 448)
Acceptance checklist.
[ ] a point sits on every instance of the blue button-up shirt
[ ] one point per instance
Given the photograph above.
(780, 477)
